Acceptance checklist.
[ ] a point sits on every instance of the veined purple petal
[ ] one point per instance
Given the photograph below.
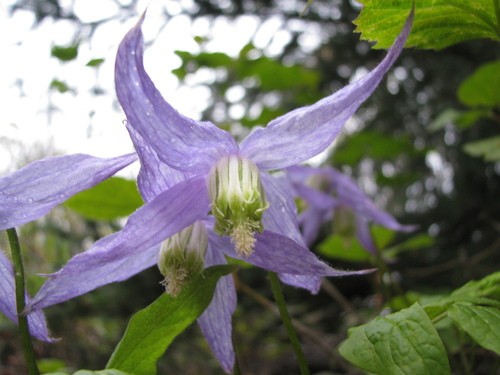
(280, 254)
(310, 283)
(281, 216)
(179, 141)
(215, 322)
(154, 176)
(303, 133)
(35, 189)
(36, 321)
(349, 194)
(125, 253)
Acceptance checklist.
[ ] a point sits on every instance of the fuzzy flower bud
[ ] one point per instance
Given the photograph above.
(182, 256)
(237, 201)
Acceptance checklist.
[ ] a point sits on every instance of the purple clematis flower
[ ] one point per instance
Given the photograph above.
(31, 192)
(333, 194)
(192, 172)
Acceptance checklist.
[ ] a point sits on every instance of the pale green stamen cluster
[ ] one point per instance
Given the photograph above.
(237, 201)
(182, 256)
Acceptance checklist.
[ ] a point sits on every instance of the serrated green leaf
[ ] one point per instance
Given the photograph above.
(405, 342)
(113, 198)
(480, 322)
(482, 88)
(437, 23)
(151, 330)
(65, 53)
(488, 149)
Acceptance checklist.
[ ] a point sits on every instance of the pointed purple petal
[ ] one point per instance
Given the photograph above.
(35, 189)
(125, 253)
(215, 322)
(349, 194)
(281, 216)
(310, 283)
(280, 254)
(154, 176)
(179, 141)
(305, 132)
(311, 221)
(364, 235)
(36, 321)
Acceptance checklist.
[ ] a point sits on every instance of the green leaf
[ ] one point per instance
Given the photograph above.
(405, 342)
(480, 322)
(437, 23)
(482, 88)
(95, 62)
(59, 86)
(488, 149)
(113, 198)
(65, 53)
(151, 330)
(343, 248)
(412, 244)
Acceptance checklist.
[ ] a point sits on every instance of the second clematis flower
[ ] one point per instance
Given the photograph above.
(194, 178)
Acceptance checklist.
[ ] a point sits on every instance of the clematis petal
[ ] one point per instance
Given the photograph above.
(35, 189)
(179, 141)
(351, 195)
(310, 221)
(303, 133)
(125, 253)
(154, 176)
(310, 283)
(278, 253)
(364, 235)
(36, 321)
(215, 322)
(281, 216)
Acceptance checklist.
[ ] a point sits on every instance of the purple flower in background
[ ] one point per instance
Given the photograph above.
(328, 193)
(194, 172)
(31, 192)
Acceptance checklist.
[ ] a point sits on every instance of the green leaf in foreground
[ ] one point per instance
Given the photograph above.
(151, 330)
(480, 322)
(113, 198)
(437, 23)
(405, 342)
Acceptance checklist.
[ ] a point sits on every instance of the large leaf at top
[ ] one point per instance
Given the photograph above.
(113, 198)
(151, 330)
(405, 342)
(438, 23)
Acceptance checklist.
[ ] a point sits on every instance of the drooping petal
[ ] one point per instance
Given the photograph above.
(35, 189)
(364, 235)
(310, 283)
(179, 141)
(215, 322)
(154, 176)
(36, 321)
(303, 133)
(310, 221)
(280, 254)
(125, 253)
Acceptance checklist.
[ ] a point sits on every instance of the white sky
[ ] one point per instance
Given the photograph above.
(68, 127)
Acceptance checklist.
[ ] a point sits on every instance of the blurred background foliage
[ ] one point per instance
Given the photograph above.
(414, 146)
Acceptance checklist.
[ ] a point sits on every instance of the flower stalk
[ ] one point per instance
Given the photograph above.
(287, 321)
(29, 353)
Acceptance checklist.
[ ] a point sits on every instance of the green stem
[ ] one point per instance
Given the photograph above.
(29, 353)
(292, 335)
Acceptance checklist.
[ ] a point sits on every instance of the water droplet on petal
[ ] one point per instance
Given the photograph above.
(125, 122)
(29, 200)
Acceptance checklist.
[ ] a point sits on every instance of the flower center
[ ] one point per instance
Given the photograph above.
(182, 256)
(237, 201)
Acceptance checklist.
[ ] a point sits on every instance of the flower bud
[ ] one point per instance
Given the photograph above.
(182, 256)
(237, 201)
